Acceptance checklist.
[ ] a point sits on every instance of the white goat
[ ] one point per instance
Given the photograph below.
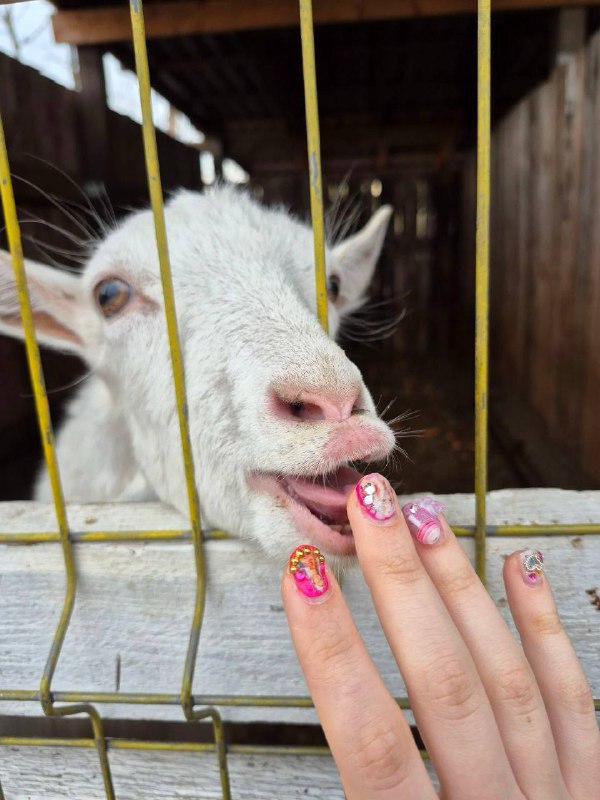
(276, 409)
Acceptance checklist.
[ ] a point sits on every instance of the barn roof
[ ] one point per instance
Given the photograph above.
(392, 88)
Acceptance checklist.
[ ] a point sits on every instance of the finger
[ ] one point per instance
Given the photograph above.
(508, 679)
(369, 737)
(449, 702)
(558, 672)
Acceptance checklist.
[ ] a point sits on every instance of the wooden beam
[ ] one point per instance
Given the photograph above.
(135, 600)
(94, 112)
(103, 25)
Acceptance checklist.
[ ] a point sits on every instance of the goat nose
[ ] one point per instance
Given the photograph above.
(313, 406)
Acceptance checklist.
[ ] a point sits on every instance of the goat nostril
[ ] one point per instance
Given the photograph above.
(312, 406)
(296, 409)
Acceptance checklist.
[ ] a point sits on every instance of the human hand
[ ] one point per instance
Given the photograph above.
(499, 720)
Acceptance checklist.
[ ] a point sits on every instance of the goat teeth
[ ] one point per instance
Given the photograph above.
(337, 528)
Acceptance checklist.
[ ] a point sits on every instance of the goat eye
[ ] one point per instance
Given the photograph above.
(112, 295)
(333, 287)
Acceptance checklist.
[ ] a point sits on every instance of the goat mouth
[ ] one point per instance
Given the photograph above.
(317, 505)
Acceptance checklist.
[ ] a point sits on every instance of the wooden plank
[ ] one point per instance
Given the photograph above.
(509, 344)
(584, 268)
(111, 24)
(569, 284)
(94, 129)
(130, 626)
(520, 288)
(72, 774)
(544, 363)
(591, 390)
(522, 434)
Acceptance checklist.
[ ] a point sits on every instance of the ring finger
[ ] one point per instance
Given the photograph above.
(505, 673)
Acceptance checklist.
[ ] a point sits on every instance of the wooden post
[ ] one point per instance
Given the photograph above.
(570, 32)
(94, 114)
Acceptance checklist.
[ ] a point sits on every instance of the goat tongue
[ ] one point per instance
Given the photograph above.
(326, 499)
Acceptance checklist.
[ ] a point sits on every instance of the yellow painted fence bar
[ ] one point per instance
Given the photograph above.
(66, 538)
(99, 537)
(156, 200)
(313, 138)
(47, 436)
(482, 278)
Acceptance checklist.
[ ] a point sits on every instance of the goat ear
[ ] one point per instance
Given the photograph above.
(55, 304)
(355, 259)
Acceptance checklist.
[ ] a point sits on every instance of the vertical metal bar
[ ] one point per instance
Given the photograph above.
(314, 156)
(156, 200)
(47, 435)
(482, 279)
(33, 354)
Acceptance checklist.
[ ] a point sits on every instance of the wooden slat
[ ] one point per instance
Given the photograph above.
(131, 621)
(545, 256)
(545, 366)
(72, 774)
(591, 398)
(570, 145)
(102, 25)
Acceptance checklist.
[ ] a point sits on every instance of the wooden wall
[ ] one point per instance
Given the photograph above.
(44, 129)
(45, 120)
(545, 253)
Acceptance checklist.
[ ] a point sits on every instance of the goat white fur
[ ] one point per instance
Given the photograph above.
(245, 296)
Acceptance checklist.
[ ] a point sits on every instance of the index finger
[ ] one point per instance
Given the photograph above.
(369, 737)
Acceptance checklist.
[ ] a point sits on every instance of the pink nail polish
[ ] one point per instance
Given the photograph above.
(376, 498)
(307, 566)
(422, 519)
(532, 567)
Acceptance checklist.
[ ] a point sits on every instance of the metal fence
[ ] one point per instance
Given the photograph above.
(196, 707)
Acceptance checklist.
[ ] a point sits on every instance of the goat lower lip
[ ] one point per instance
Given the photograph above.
(317, 511)
(326, 502)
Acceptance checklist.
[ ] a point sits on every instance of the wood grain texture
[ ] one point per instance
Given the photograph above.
(134, 605)
(58, 773)
(544, 255)
(591, 392)
(101, 25)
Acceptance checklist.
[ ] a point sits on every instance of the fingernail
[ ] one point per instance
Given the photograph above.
(376, 497)
(423, 521)
(532, 567)
(307, 567)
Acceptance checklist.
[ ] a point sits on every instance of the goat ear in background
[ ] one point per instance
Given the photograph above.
(55, 303)
(355, 259)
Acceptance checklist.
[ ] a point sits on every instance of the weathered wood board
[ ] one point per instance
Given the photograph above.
(134, 606)
(544, 253)
(30, 773)
(130, 626)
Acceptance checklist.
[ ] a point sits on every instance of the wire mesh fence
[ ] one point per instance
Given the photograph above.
(195, 707)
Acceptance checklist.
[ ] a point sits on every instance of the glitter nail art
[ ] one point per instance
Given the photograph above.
(532, 564)
(376, 497)
(307, 566)
(423, 520)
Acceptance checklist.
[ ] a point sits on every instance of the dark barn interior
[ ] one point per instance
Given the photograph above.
(397, 100)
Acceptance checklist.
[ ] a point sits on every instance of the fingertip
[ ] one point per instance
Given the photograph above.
(373, 500)
(307, 574)
(424, 520)
(527, 566)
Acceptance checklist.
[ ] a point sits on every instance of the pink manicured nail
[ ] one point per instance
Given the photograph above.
(376, 497)
(423, 521)
(532, 567)
(307, 566)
